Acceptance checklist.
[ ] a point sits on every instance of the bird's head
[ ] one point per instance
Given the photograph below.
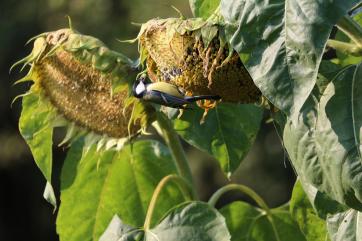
(139, 87)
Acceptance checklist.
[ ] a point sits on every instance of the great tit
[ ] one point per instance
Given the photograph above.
(166, 94)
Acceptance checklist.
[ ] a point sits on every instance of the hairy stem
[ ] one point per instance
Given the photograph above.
(182, 184)
(351, 28)
(346, 48)
(178, 154)
(248, 191)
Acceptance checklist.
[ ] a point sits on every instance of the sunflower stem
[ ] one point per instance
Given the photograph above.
(173, 141)
(345, 48)
(182, 184)
(351, 28)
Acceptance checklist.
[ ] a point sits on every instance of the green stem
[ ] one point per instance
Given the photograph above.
(351, 28)
(358, 5)
(244, 189)
(178, 154)
(182, 184)
(248, 191)
(346, 48)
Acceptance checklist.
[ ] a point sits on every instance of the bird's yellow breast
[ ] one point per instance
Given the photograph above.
(166, 88)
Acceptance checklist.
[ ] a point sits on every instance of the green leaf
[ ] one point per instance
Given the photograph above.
(322, 204)
(346, 226)
(35, 126)
(194, 221)
(117, 230)
(203, 8)
(97, 185)
(342, 223)
(324, 145)
(281, 44)
(227, 133)
(342, 58)
(246, 222)
(313, 227)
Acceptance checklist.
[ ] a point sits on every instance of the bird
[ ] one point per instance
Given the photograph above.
(165, 94)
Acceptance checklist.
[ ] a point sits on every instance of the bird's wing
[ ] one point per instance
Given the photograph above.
(165, 99)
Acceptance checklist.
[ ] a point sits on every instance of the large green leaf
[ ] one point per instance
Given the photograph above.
(322, 204)
(203, 8)
(99, 184)
(194, 221)
(246, 222)
(345, 226)
(342, 224)
(36, 127)
(313, 227)
(281, 43)
(227, 133)
(324, 145)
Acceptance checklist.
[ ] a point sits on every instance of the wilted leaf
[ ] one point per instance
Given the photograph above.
(227, 134)
(97, 185)
(281, 43)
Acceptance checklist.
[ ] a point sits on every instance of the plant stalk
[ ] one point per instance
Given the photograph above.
(172, 140)
(351, 28)
(346, 48)
(182, 184)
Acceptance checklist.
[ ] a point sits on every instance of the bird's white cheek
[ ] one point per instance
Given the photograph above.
(140, 88)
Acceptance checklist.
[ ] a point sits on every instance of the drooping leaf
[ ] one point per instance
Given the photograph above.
(203, 8)
(192, 221)
(346, 59)
(281, 43)
(35, 126)
(246, 222)
(99, 184)
(345, 226)
(324, 145)
(313, 227)
(227, 133)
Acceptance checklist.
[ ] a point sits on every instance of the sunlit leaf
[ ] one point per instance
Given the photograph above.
(313, 227)
(97, 185)
(281, 43)
(203, 8)
(35, 126)
(193, 221)
(346, 226)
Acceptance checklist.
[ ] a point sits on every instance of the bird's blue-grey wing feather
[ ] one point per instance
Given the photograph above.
(165, 99)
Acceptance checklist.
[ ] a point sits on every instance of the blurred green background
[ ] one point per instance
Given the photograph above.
(23, 212)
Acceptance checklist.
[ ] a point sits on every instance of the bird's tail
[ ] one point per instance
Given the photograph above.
(202, 97)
